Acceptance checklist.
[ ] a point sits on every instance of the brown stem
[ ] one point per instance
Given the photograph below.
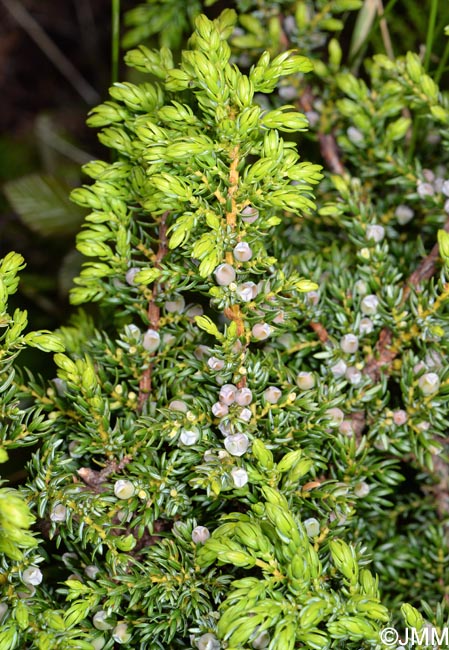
(231, 216)
(327, 141)
(384, 355)
(153, 312)
(425, 270)
(95, 479)
(320, 331)
(386, 352)
(234, 313)
(329, 151)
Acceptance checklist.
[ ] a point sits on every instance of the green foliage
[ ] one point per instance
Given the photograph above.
(246, 446)
(168, 20)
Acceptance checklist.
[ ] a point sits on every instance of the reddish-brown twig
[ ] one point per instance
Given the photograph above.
(329, 151)
(153, 311)
(320, 331)
(386, 352)
(327, 141)
(95, 479)
(425, 270)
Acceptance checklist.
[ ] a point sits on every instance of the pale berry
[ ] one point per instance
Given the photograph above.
(242, 252)
(370, 304)
(237, 444)
(227, 394)
(151, 340)
(249, 214)
(220, 410)
(305, 380)
(261, 331)
(349, 343)
(224, 274)
(244, 396)
(200, 534)
(272, 395)
(239, 476)
(375, 233)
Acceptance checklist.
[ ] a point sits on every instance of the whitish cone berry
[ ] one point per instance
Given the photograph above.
(151, 340)
(236, 444)
(346, 428)
(224, 274)
(178, 405)
(120, 633)
(312, 527)
(91, 571)
(404, 214)
(261, 641)
(354, 135)
(247, 291)
(370, 304)
(424, 189)
(361, 287)
(353, 375)
(189, 437)
(124, 489)
(131, 274)
(366, 326)
(305, 380)
(375, 233)
(239, 476)
(242, 252)
(399, 417)
(227, 394)
(245, 415)
(339, 368)
(58, 513)
(272, 395)
(200, 534)
(336, 415)
(215, 364)
(243, 396)
(261, 331)
(249, 214)
(226, 428)
(32, 576)
(429, 383)
(349, 343)
(208, 642)
(361, 489)
(220, 410)
(99, 621)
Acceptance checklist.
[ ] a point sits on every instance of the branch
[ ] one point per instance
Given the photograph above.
(330, 153)
(386, 352)
(425, 270)
(95, 479)
(320, 331)
(153, 311)
(231, 215)
(327, 141)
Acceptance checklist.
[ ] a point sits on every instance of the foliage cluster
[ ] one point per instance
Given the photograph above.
(246, 446)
